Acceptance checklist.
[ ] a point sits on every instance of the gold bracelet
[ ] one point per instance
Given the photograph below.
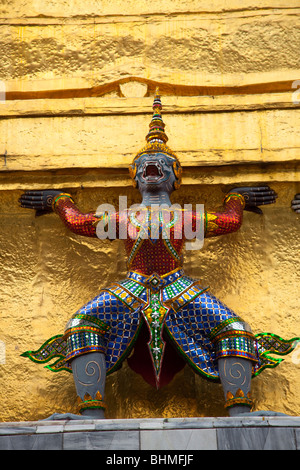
(89, 403)
(236, 195)
(238, 399)
(61, 195)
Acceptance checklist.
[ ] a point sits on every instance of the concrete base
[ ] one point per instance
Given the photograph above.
(182, 434)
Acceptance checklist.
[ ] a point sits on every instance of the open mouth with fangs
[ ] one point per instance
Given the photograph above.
(152, 172)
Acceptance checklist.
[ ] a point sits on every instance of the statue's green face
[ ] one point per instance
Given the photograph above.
(155, 172)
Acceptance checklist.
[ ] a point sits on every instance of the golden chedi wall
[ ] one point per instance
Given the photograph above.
(79, 80)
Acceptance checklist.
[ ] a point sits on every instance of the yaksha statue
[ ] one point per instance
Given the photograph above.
(160, 315)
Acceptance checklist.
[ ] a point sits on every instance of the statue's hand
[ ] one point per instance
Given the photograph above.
(40, 201)
(256, 196)
(296, 203)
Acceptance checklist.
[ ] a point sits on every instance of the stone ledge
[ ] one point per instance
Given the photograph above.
(174, 434)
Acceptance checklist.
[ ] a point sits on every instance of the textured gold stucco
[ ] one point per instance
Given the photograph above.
(48, 273)
(79, 79)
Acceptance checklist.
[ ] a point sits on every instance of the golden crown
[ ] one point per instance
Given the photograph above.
(156, 141)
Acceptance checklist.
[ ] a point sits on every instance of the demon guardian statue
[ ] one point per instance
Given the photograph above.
(160, 315)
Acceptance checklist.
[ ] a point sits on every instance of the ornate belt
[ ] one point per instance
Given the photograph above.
(155, 281)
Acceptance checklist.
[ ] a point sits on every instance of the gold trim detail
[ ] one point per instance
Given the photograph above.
(60, 196)
(238, 399)
(90, 403)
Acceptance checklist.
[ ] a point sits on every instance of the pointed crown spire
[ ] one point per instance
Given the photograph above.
(156, 137)
(157, 126)
(156, 143)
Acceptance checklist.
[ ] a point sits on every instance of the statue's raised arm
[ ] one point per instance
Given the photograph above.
(229, 218)
(62, 204)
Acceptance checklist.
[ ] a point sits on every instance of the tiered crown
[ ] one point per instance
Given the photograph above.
(156, 137)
